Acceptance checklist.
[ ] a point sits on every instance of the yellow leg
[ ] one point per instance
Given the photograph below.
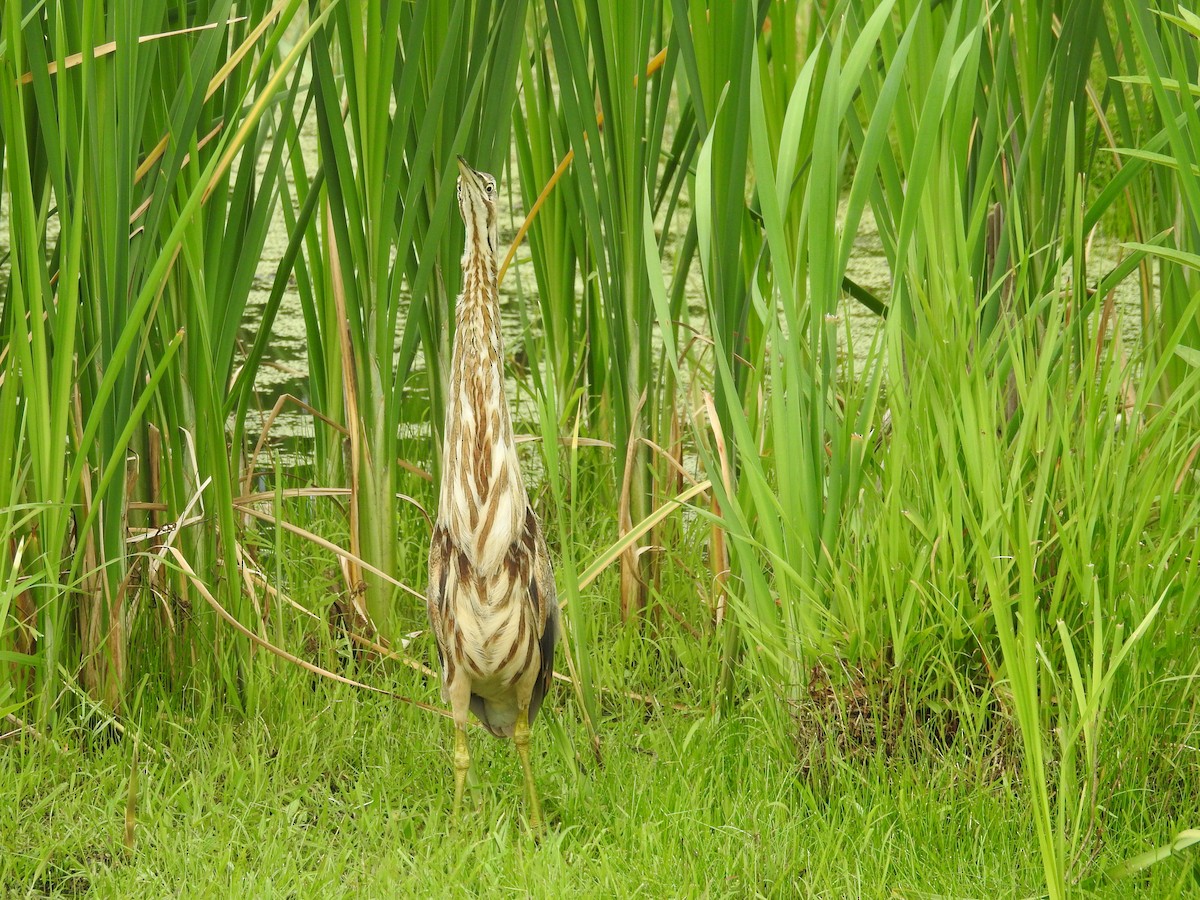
(521, 739)
(462, 762)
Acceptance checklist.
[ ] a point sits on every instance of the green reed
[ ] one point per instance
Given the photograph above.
(391, 116)
(122, 308)
(991, 516)
(938, 539)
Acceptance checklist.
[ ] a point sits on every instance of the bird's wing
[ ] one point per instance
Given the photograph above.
(544, 597)
(435, 596)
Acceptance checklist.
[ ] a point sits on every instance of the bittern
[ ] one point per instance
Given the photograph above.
(491, 600)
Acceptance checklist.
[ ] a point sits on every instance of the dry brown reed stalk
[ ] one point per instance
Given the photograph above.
(634, 590)
(356, 585)
(656, 63)
(573, 441)
(20, 726)
(229, 619)
(718, 553)
(355, 612)
(26, 606)
(613, 553)
(317, 491)
(155, 154)
(675, 456)
(1187, 466)
(647, 699)
(270, 420)
(264, 99)
(101, 50)
(328, 545)
(674, 461)
(104, 650)
(252, 574)
(214, 84)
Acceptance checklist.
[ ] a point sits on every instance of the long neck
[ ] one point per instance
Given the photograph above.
(482, 490)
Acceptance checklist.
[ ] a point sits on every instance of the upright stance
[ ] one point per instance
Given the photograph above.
(491, 598)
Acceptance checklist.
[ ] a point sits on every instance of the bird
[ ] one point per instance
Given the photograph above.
(492, 602)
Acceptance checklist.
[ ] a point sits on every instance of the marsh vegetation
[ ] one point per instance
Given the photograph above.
(879, 576)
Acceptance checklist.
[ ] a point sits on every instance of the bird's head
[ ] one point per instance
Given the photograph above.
(477, 204)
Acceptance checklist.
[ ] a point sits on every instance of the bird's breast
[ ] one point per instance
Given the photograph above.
(497, 635)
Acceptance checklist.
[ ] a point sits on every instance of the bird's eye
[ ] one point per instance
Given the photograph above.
(491, 188)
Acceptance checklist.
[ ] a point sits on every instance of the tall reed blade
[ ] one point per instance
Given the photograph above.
(401, 88)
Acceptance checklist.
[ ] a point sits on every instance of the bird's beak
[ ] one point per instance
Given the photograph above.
(465, 168)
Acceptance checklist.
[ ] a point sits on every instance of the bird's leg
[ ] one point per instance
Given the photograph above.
(458, 692)
(462, 762)
(521, 739)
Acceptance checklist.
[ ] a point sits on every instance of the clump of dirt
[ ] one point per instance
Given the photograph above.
(55, 885)
(855, 715)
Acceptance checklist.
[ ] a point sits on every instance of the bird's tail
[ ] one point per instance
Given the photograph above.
(497, 716)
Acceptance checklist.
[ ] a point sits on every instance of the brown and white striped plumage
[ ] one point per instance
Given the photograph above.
(491, 600)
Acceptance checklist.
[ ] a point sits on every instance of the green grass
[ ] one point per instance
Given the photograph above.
(316, 789)
(927, 624)
(325, 792)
